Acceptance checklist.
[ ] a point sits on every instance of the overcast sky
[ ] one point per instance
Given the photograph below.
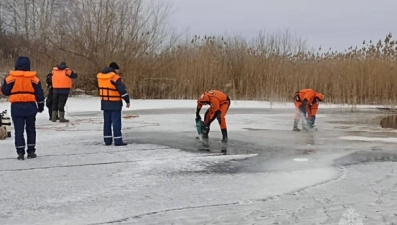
(330, 23)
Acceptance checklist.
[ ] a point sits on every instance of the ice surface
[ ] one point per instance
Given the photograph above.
(270, 175)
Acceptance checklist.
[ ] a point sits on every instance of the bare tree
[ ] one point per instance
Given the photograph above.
(30, 21)
(103, 30)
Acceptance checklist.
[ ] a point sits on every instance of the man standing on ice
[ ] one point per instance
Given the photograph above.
(62, 82)
(306, 101)
(219, 105)
(112, 91)
(49, 100)
(27, 98)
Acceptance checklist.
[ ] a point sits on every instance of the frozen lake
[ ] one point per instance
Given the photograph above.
(270, 174)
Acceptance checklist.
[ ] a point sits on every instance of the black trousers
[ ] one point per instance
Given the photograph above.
(27, 123)
(59, 102)
(49, 102)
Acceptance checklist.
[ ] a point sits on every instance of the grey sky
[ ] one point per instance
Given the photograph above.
(329, 23)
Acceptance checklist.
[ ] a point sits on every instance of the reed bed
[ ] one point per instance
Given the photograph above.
(269, 67)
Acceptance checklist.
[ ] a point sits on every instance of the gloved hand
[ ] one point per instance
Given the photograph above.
(198, 117)
(198, 113)
(302, 107)
(204, 128)
(309, 124)
(40, 107)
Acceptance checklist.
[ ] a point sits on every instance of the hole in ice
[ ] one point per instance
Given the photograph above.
(389, 122)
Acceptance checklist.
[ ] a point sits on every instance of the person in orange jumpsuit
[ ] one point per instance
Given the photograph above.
(306, 101)
(219, 105)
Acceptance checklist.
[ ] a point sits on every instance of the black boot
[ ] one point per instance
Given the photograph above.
(121, 144)
(32, 155)
(21, 156)
(296, 125)
(224, 136)
(54, 115)
(62, 117)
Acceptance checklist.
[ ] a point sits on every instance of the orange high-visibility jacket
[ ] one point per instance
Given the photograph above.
(303, 94)
(61, 78)
(22, 90)
(107, 91)
(214, 98)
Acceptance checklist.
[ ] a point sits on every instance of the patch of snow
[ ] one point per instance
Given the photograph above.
(301, 159)
(370, 139)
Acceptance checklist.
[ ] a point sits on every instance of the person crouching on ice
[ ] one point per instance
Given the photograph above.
(219, 105)
(306, 101)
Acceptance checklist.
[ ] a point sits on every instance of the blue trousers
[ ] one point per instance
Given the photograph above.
(112, 118)
(19, 127)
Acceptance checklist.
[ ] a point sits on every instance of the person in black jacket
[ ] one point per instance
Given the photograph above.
(49, 101)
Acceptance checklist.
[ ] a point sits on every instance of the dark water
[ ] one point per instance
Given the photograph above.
(389, 122)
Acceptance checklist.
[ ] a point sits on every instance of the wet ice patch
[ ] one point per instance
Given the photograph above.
(368, 157)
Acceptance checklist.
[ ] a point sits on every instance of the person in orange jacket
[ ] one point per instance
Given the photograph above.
(219, 105)
(306, 101)
(27, 99)
(62, 80)
(112, 92)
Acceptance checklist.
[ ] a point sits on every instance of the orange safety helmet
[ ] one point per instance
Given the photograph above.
(320, 97)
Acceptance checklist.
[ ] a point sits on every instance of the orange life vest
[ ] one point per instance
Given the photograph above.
(107, 91)
(61, 79)
(22, 90)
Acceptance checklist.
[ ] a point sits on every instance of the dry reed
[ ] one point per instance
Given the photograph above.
(269, 67)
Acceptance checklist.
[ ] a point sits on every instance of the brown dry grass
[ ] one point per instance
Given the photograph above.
(362, 76)
(247, 72)
(270, 67)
